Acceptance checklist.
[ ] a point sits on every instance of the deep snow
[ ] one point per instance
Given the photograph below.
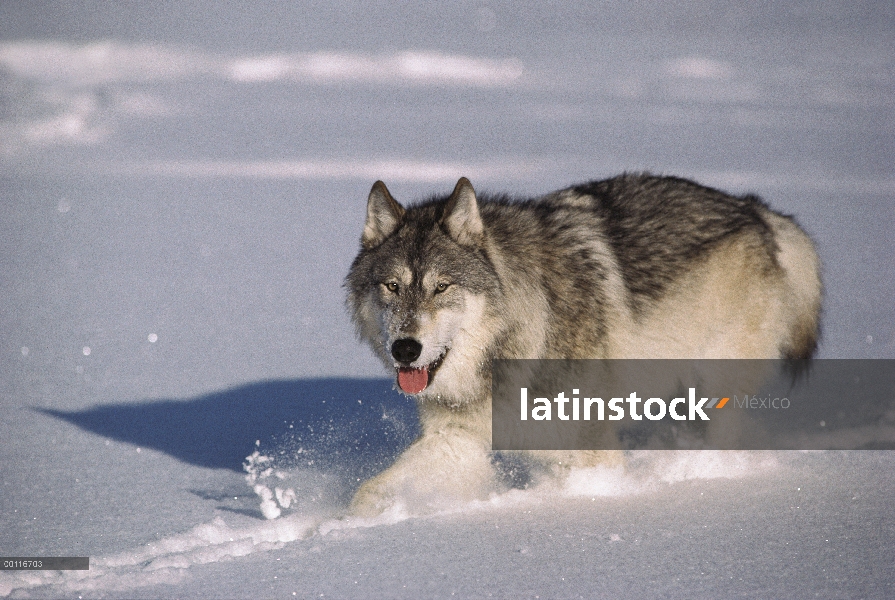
(183, 190)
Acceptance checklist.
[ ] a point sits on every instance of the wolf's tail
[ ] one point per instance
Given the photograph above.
(798, 259)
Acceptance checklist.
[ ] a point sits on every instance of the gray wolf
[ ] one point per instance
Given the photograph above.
(637, 266)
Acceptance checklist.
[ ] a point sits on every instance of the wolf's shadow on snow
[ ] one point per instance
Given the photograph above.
(358, 425)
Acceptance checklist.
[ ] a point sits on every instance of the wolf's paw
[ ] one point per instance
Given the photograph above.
(371, 499)
(437, 472)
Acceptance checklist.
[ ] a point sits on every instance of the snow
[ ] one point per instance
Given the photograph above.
(183, 397)
(415, 67)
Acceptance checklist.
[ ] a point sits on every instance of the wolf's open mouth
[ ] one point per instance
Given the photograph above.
(413, 380)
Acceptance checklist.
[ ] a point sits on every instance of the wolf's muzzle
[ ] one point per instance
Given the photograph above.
(406, 350)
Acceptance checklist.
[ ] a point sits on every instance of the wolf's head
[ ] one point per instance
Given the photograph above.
(420, 287)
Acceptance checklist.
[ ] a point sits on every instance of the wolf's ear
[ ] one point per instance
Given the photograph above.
(383, 216)
(461, 217)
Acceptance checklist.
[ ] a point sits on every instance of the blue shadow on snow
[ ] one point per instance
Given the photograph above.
(357, 423)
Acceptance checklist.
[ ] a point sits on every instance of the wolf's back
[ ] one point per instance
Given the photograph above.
(617, 262)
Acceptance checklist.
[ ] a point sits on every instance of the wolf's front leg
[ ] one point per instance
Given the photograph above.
(438, 470)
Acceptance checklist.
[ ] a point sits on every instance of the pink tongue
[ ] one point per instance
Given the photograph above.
(413, 381)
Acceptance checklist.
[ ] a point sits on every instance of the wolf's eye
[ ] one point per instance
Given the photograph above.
(441, 287)
(392, 287)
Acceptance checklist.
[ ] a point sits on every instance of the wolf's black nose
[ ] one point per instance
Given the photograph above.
(406, 350)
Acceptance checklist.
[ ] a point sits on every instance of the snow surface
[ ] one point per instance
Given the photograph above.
(183, 190)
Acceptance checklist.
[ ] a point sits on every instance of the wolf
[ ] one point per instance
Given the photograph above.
(636, 266)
